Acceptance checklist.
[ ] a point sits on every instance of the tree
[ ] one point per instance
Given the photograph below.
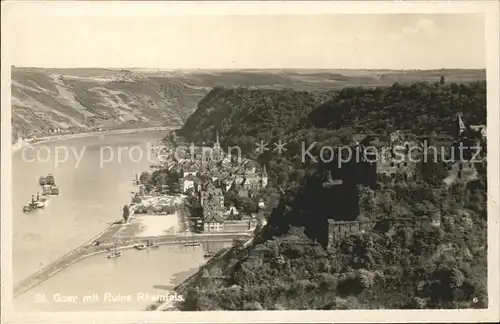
(238, 243)
(433, 172)
(174, 187)
(247, 205)
(126, 213)
(144, 177)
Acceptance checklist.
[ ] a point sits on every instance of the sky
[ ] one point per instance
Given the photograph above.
(328, 41)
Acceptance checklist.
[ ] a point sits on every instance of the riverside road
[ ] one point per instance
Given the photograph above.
(108, 241)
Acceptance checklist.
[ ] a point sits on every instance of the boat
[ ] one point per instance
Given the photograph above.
(115, 254)
(35, 203)
(153, 244)
(28, 208)
(208, 255)
(54, 190)
(192, 243)
(49, 179)
(46, 190)
(40, 203)
(140, 247)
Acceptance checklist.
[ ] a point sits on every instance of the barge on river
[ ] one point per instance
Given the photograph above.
(48, 180)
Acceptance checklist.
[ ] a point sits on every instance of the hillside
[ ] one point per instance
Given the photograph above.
(242, 115)
(70, 99)
(436, 258)
(432, 106)
(82, 99)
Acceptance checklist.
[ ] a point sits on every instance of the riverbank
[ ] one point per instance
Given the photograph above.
(217, 261)
(21, 144)
(108, 240)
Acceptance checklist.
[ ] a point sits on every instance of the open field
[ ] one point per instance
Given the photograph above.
(149, 225)
(83, 99)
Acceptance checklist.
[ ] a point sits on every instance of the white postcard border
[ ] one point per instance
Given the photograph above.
(490, 9)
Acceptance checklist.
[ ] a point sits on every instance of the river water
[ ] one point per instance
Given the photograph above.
(95, 182)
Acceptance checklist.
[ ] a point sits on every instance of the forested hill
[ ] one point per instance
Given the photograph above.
(242, 116)
(438, 264)
(420, 107)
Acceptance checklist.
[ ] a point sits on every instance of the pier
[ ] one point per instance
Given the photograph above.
(108, 240)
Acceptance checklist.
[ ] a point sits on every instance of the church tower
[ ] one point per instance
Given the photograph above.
(263, 178)
(217, 144)
(216, 148)
(460, 127)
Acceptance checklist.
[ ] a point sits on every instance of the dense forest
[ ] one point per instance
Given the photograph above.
(244, 116)
(435, 260)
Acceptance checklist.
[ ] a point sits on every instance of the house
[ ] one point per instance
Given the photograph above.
(264, 178)
(212, 218)
(212, 202)
(481, 129)
(189, 173)
(255, 182)
(186, 184)
(261, 203)
(466, 135)
(232, 213)
(242, 192)
(211, 193)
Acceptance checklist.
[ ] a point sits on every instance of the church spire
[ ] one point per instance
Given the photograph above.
(460, 125)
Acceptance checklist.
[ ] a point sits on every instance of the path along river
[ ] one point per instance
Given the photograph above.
(91, 199)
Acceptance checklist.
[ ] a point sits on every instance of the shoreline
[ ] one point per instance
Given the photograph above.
(87, 250)
(20, 145)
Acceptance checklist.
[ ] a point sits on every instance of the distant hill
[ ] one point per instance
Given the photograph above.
(116, 98)
(91, 98)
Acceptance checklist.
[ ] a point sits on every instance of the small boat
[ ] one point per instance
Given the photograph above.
(115, 254)
(35, 203)
(192, 243)
(28, 208)
(153, 244)
(208, 255)
(40, 204)
(140, 247)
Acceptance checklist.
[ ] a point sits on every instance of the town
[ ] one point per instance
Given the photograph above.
(222, 193)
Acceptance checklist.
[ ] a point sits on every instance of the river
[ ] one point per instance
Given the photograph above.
(95, 182)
